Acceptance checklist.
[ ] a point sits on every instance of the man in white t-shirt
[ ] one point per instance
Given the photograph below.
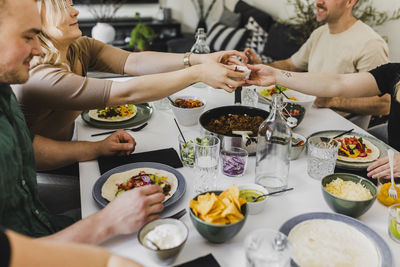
(342, 45)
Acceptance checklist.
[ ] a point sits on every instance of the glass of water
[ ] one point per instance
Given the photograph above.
(267, 247)
(249, 96)
(206, 157)
(322, 153)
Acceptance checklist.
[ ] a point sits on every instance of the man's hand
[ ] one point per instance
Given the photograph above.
(252, 56)
(119, 143)
(134, 208)
(261, 75)
(381, 169)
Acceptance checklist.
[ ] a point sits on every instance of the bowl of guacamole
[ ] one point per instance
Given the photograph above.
(250, 192)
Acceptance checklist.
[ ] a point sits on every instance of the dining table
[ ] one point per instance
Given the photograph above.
(161, 132)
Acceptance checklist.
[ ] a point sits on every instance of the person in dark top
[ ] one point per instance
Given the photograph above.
(19, 251)
(381, 80)
(22, 153)
(5, 250)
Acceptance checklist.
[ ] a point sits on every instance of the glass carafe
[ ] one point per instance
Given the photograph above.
(200, 46)
(273, 149)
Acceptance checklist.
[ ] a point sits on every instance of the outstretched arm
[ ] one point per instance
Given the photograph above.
(144, 63)
(124, 215)
(152, 87)
(27, 251)
(374, 105)
(318, 84)
(285, 64)
(50, 154)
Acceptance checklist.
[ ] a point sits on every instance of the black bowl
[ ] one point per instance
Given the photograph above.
(231, 140)
(291, 107)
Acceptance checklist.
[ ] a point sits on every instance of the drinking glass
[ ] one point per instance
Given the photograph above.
(394, 222)
(162, 104)
(233, 161)
(249, 96)
(186, 149)
(206, 156)
(267, 247)
(322, 155)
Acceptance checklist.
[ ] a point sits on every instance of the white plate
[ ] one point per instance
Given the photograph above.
(302, 99)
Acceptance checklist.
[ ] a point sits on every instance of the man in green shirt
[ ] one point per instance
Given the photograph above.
(21, 153)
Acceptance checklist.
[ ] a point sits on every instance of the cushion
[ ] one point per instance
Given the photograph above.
(222, 37)
(257, 38)
(230, 18)
(281, 43)
(247, 11)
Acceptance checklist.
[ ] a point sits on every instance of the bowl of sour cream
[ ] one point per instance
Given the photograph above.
(164, 238)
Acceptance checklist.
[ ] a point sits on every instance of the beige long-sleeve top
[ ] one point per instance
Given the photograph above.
(54, 97)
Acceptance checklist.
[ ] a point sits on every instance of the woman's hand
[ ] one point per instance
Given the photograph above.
(221, 76)
(381, 169)
(261, 75)
(252, 57)
(119, 143)
(224, 57)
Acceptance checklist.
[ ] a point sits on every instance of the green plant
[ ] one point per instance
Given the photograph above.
(141, 36)
(305, 21)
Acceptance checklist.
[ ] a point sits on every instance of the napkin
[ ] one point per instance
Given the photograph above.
(167, 156)
(207, 260)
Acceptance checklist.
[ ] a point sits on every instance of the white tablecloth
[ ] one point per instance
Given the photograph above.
(306, 196)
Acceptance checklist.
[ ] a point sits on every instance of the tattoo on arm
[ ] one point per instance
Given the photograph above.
(286, 74)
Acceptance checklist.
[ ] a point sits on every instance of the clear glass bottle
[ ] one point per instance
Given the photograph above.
(273, 149)
(200, 46)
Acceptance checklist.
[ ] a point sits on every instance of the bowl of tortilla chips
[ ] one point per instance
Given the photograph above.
(218, 216)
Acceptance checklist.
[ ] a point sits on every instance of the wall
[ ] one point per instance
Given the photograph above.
(183, 11)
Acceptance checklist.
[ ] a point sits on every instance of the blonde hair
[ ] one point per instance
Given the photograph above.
(56, 12)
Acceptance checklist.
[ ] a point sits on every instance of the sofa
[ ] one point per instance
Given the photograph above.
(245, 26)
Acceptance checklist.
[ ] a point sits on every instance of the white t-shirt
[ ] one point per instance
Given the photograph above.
(357, 49)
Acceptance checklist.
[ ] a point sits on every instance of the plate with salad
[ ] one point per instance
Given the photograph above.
(113, 114)
(132, 176)
(356, 151)
(133, 115)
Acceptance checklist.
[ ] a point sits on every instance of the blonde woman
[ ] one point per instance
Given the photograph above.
(58, 89)
(381, 80)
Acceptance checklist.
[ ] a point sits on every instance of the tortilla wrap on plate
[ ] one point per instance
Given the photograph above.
(95, 116)
(110, 187)
(321, 242)
(375, 153)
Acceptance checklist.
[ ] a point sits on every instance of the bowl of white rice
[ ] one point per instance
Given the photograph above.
(348, 194)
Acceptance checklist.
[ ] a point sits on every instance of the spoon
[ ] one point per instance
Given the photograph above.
(269, 194)
(154, 244)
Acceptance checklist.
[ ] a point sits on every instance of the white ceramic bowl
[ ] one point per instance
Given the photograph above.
(305, 100)
(164, 256)
(295, 151)
(255, 207)
(187, 116)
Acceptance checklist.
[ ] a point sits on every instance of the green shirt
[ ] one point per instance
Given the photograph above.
(20, 208)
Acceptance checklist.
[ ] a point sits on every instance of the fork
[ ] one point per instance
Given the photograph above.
(131, 129)
(392, 189)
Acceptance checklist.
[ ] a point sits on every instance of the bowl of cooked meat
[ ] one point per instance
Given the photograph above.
(187, 109)
(236, 126)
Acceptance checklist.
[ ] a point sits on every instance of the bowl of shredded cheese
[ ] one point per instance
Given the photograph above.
(348, 194)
